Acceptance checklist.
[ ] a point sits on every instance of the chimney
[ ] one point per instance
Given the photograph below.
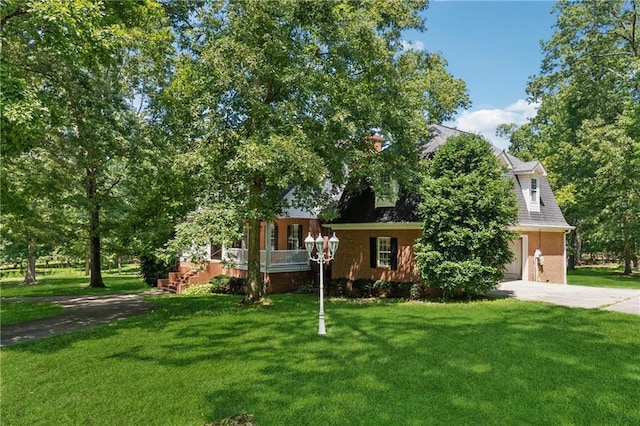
(376, 140)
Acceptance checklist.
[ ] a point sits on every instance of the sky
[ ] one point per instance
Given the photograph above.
(494, 46)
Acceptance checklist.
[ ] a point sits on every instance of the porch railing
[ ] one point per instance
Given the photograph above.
(279, 260)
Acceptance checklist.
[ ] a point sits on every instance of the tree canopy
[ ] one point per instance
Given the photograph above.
(468, 205)
(587, 128)
(70, 73)
(269, 94)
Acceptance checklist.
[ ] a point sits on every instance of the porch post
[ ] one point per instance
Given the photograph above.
(267, 249)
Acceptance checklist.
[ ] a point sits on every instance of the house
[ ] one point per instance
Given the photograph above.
(377, 235)
(283, 259)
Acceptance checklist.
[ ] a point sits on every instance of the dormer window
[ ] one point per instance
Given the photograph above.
(390, 199)
(531, 192)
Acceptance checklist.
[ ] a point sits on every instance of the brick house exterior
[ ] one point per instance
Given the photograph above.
(370, 231)
(377, 236)
(284, 261)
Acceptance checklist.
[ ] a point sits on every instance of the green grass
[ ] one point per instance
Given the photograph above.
(71, 284)
(602, 277)
(17, 312)
(198, 359)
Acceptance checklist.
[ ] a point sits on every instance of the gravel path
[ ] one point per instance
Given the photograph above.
(80, 312)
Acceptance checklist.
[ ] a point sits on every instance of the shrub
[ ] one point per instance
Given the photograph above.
(338, 287)
(226, 284)
(308, 289)
(153, 268)
(199, 289)
(418, 291)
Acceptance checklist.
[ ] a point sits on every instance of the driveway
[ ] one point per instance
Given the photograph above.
(80, 312)
(609, 299)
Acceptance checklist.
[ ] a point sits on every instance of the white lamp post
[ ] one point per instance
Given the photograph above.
(320, 258)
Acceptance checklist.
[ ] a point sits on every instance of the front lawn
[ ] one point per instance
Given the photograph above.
(602, 277)
(199, 359)
(71, 283)
(17, 312)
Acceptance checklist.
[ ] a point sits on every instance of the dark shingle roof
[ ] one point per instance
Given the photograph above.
(359, 207)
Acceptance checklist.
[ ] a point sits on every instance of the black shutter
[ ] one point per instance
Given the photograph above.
(394, 253)
(289, 238)
(300, 243)
(275, 236)
(373, 252)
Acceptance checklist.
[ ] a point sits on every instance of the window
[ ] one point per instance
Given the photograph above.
(273, 236)
(384, 252)
(294, 237)
(391, 198)
(216, 252)
(534, 190)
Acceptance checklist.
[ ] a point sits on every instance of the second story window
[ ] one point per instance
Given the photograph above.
(534, 190)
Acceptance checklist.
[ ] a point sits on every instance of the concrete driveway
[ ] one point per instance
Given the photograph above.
(609, 299)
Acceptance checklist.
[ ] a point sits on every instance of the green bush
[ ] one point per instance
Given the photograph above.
(308, 289)
(367, 288)
(418, 291)
(198, 289)
(152, 269)
(225, 284)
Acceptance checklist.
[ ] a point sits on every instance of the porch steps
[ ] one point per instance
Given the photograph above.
(177, 281)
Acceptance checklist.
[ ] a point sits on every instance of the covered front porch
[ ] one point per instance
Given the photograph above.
(270, 260)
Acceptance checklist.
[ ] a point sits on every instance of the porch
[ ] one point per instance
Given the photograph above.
(276, 260)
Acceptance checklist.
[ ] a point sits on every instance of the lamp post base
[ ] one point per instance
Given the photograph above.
(321, 329)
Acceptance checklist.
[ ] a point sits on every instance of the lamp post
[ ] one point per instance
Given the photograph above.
(320, 258)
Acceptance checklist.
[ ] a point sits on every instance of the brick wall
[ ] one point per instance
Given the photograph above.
(552, 246)
(352, 258)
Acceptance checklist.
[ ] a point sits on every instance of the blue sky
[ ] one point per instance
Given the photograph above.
(494, 46)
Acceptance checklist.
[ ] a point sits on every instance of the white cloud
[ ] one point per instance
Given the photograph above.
(412, 45)
(486, 121)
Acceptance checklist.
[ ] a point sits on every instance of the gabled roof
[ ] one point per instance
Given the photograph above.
(360, 207)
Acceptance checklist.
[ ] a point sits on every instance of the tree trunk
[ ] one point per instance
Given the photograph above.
(626, 252)
(254, 292)
(94, 230)
(576, 244)
(30, 274)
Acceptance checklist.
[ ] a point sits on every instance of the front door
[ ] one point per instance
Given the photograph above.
(514, 269)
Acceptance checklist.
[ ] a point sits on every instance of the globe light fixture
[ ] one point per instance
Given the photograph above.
(321, 257)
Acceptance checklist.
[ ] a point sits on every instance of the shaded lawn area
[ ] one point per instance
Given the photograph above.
(70, 285)
(602, 277)
(200, 359)
(18, 312)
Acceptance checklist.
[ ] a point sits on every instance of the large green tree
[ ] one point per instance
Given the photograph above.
(586, 129)
(469, 205)
(272, 93)
(72, 72)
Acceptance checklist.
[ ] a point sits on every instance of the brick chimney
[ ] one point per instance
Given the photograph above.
(376, 140)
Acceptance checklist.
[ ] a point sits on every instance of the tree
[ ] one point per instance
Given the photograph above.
(586, 127)
(72, 69)
(468, 205)
(29, 219)
(272, 93)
